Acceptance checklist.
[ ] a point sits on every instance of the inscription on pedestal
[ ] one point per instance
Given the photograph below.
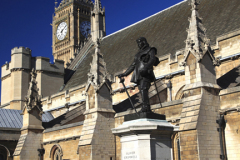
(130, 155)
(20, 144)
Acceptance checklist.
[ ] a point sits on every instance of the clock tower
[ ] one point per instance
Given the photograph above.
(71, 25)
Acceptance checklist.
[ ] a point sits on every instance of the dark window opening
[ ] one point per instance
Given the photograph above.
(178, 147)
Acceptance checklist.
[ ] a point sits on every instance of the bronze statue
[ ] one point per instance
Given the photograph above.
(142, 68)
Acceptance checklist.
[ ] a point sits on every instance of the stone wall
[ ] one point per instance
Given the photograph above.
(230, 98)
(226, 66)
(188, 145)
(85, 152)
(228, 50)
(27, 149)
(230, 107)
(232, 138)
(56, 102)
(6, 86)
(62, 134)
(207, 128)
(65, 138)
(68, 148)
(16, 77)
(48, 73)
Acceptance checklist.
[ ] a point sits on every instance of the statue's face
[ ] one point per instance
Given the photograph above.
(141, 44)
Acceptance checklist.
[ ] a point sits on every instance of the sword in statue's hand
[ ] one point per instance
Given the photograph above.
(122, 81)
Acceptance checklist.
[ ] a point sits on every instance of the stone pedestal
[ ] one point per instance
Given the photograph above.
(145, 139)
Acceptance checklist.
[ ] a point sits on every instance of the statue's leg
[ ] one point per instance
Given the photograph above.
(143, 89)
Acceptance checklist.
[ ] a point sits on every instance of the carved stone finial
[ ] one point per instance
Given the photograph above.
(33, 74)
(194, 4)
(98, 43)
(98, 72)
(197, 42)
(98, 5)
(217, 62)
(33, 99)
(190, 43)
(56, 4)
(67, 64)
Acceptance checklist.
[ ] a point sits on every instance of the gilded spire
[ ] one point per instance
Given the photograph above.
(33, 99)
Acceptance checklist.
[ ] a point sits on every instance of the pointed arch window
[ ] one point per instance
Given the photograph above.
(57, 155)
(176, 147)
(4, 153)
(56, 152)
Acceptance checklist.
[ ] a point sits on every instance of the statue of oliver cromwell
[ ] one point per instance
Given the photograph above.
(142, 68)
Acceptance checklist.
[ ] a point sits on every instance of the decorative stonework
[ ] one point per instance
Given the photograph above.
(201, 102)
(197, 42)
(98, 29)
(98, 74)
(33, 99)
(96, 137)
(98, 8)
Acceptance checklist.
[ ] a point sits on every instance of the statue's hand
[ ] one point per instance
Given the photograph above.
(121, 75)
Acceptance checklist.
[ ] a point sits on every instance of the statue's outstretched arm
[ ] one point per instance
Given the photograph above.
(129, 70)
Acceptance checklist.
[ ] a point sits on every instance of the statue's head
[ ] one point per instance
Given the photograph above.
(142, 43)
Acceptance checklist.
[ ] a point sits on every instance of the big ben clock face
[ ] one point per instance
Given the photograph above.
(61, 31)
(85, 28)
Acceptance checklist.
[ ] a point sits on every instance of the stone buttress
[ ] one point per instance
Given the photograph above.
(31, 131)
(198, 128)
(97, 140)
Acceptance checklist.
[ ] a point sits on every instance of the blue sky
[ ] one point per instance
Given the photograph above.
(27, 22)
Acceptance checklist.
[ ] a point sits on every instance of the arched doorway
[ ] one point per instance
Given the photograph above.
(4, 152)
(1, 157)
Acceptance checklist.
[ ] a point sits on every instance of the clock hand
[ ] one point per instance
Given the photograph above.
(88, 30)
(63, 29)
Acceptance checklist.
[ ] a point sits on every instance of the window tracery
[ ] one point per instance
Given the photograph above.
(56, 152)
(57, 155)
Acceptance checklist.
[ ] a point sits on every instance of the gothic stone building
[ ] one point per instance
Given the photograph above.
(81, 97)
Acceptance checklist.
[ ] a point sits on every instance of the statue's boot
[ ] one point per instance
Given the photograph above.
(145, 99)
